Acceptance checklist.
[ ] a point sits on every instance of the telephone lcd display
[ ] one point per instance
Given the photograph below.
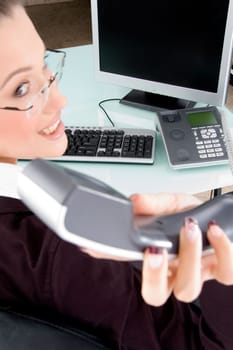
(202, 119)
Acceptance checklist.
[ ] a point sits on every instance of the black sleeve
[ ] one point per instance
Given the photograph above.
(217, 312)
(107, 295)
(27, 249)
(38, 268)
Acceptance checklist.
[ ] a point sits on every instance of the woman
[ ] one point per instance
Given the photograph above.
(37, 268)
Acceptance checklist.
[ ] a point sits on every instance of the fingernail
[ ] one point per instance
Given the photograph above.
(155, 250)
(155, 257)
(212, 223)
(215, 231)
(191, 228)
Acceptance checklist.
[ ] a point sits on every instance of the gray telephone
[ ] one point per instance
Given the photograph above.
(193, 137)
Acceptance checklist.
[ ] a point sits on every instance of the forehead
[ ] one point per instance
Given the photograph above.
(22, 44)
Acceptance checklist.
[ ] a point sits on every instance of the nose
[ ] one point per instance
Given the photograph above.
(56, 100)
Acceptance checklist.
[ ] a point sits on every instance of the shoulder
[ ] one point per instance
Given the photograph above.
(19, 224)
(11, 205)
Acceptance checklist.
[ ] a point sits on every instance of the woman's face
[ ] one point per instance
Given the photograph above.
(22, 75)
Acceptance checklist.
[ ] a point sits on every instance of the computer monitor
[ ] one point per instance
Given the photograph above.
(172, 52)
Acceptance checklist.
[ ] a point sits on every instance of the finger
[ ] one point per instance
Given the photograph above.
(162, 203)
(155, 288)
(188, 278)
(223, 269)
(209, 263)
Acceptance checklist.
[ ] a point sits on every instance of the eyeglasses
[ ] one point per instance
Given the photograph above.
(54, 63)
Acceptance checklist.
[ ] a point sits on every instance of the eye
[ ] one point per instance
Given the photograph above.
(22, 90)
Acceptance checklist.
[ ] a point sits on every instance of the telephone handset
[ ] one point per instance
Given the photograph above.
(193, 137)
(89, 213)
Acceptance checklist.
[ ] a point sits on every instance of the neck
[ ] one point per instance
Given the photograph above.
(8, 160)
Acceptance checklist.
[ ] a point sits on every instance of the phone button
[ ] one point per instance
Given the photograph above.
(182, 154)
(171, 118)
(177, 134)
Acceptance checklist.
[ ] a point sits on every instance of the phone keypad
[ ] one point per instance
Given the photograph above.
(209, 142)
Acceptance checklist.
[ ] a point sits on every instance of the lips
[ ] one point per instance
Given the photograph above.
(50, 130)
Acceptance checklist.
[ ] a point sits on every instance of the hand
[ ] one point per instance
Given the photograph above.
(185, 275)
(163, 203)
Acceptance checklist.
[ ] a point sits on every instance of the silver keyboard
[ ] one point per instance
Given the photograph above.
(109, 144)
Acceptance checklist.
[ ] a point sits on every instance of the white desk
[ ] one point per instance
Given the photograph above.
(84, 93)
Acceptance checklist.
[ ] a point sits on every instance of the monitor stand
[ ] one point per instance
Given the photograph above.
(154, 102)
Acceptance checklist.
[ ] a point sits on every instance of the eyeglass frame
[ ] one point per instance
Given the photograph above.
(51, 79)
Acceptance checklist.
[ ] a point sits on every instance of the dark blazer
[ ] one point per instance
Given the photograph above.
(39, 269)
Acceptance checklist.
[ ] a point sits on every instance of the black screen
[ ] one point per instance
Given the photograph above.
(178, 42)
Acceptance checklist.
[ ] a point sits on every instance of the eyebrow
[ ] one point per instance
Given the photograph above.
(15, 72)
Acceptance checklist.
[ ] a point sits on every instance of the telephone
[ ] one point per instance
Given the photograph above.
(193, 137)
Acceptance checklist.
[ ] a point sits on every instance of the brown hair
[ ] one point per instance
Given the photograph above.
(7, 5)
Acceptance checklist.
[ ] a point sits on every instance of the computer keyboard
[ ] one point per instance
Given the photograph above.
(109, 144)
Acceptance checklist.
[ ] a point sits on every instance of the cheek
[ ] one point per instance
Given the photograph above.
(15, 132)
(20, 138)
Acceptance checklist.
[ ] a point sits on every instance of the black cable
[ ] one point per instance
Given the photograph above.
(103, 109)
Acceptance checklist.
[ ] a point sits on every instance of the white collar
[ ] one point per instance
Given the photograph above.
(8, 180)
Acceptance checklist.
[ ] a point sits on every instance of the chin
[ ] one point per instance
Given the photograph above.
(61, 147)
(57, 152)
(53, 150)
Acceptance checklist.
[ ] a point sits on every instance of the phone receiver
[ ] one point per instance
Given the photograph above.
(89, 213)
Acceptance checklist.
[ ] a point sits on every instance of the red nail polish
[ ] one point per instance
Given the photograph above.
(211, 223)
(191, 228)
(190, 221)
(155, 250)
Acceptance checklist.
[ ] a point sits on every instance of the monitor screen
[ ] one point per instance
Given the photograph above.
(174, 48)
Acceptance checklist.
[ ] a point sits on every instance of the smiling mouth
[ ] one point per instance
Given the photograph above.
(51, 129)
